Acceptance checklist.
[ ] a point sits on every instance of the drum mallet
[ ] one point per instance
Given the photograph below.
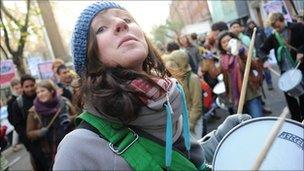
(274, 133)
(246, 74)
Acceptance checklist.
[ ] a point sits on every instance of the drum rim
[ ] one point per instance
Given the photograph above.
(297, 83)
(245, 123)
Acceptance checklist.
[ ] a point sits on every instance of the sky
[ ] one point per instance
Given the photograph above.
(146, 13)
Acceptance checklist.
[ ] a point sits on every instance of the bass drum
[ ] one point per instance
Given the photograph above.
(240, 147)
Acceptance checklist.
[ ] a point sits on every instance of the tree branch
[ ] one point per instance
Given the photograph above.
(6, 39)
(8, 14)
(23, 30)
(5, 54)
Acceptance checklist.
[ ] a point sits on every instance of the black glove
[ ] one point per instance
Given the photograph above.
(43, 132)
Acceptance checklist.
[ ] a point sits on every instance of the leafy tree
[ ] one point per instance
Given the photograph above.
(175, 26)
(170, 30)
(15, 33)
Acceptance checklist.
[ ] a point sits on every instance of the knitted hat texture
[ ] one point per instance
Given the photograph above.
(81, 33)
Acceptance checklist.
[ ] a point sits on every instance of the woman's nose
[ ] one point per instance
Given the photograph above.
(121, 26)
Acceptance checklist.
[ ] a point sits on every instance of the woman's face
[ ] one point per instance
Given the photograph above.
(224, 42)
(120, 40)
(43, 94)
(184, 41)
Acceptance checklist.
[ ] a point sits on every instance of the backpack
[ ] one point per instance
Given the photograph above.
(206, 95)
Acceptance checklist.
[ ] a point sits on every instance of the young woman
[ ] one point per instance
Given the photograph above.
(135, 115)
(49, 120)
(233, 67)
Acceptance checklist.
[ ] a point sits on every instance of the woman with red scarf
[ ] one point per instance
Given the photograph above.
(232, 65)
(49, 119)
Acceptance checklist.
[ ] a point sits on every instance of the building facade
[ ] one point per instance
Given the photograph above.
(194, 15)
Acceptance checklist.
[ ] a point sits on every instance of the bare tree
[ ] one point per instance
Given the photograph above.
(21, 31)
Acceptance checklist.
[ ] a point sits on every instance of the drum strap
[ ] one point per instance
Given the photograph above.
(283, 51)
(125, 142)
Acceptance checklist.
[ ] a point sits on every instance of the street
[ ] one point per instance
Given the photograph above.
(274, 100)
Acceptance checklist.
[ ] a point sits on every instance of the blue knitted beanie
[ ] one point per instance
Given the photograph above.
(81, 33)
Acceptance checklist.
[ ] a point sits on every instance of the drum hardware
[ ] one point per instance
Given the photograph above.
(219, 88)
(291, 82)
(220, 77)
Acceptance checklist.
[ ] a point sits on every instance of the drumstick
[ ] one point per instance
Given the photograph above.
(246, 74)
(274, 133)
(298, 64)
(273, 71)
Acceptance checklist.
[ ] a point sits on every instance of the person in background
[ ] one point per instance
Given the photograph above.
(178, 65)
(232, 66)
(4, 164)
(289, 38)
(192, 51)
(56, 63)
(171, 46)
(209, 56)
(194, 39)
(131, 103)
(49, 120)
(20, 110)
(236, 28)
(216, 28)
(259, 40)
(64, 83)
(16, 90)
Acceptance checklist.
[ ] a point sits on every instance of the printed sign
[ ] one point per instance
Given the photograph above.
(45, 70)
(277, 6)
(7, 72)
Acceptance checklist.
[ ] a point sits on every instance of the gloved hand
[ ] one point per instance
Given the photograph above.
(210, 141)
(229, 123)
(43, 132)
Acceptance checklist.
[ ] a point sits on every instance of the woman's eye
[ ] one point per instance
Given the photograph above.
(101, 29)
(127, 20)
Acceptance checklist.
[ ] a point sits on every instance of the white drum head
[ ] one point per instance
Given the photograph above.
(290, 79)
(220, 77)
(240, 147)
(219, 88)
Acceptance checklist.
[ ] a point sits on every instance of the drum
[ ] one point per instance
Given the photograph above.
(291, 82)
(219, 88)
(240, 147)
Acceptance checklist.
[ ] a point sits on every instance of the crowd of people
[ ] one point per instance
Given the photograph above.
(224, 51)
(42, 114)
(129, 99)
